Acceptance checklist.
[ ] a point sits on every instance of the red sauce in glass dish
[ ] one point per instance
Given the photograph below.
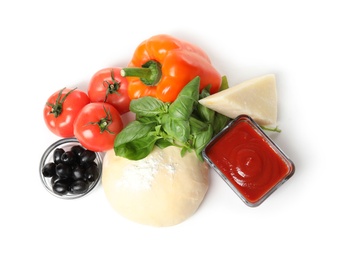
(248, 160)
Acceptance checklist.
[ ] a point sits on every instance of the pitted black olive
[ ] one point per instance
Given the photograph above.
(77, 150)
(68, 158)
(57, 155)
(64, 171)
(49, 169)
(79, 186)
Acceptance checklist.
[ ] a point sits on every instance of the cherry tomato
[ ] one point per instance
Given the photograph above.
(107, 85)
(97, 125)
(61, 109)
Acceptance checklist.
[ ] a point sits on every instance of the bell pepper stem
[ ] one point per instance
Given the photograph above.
(150, 73)
(136, 72)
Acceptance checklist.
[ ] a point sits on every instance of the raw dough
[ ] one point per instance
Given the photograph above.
(162, 189)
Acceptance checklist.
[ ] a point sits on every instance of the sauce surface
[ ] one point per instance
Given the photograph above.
(249, 161)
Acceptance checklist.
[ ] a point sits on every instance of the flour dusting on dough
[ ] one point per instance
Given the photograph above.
(139, 175)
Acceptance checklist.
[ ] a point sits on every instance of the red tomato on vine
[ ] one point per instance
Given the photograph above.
(97, 126)
(61, 109)
(107, 85)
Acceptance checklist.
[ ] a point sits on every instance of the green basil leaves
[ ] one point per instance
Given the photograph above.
(184, 123)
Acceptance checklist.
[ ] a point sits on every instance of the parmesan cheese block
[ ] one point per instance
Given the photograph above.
(163, 189)
(256, 98)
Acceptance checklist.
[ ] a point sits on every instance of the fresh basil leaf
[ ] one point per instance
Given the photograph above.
(205, 114)
(148, 106)
(147, 120)
(163, 143)
(224, 84)
(175, 128)
(136, 149)
(182, 109)
(183, 105)
(134, 130)
(202, 112)
(205, 92)
(200, 140)
(219, 122)
(185, 150)
(197, 125)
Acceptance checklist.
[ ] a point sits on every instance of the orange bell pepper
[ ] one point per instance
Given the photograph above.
(162, 65)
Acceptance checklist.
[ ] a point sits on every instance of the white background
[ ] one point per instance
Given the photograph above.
(48, 45)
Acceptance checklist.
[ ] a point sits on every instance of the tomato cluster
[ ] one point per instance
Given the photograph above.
(94, 118)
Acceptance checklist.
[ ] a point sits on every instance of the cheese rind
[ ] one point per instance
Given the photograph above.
(256, 98)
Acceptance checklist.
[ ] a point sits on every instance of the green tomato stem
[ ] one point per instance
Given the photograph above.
(57, 108)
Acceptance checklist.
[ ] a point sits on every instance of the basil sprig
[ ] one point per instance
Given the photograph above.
(184, 123)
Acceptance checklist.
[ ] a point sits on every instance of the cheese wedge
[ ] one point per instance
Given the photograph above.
(256, 98)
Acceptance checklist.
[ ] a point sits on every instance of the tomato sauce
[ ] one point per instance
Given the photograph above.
(249, 161)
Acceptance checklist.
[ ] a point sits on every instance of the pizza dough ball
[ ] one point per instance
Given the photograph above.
(162, 189)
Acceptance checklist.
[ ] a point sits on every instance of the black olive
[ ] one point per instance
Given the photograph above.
(60, 187)
(92, 172)
(92, 163)
(79, 187)
(77, 150)
(87, 157)
(78, 173)
(49, 169)
(54, 179)
(68, 158)
(63, 171)
(57, 155)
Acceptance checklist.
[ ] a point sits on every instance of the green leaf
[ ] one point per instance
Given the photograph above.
(134, 130)
(185, 150)
(225, 83)
(220, 121)
(163, 143)
(202, 112)
(205, 114)
(197, 125)
(204, 93)
(148, 106)
(183, 105)
(175, 128)
(148, 120)
(136, 149)
(201, 139)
